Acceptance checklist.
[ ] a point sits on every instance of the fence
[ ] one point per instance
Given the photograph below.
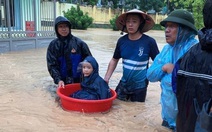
(23, 24)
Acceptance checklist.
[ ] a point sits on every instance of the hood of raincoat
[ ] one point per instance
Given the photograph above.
(207, 15)
(205, 38)
(90, 79)
(205, 34)
(59, 20)
(185, 40)
(186, 31)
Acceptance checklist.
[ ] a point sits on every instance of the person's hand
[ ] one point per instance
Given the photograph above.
(106, 80)
(61, 84)
(168, 67)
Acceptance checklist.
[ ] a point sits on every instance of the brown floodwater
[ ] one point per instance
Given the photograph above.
(27, 93)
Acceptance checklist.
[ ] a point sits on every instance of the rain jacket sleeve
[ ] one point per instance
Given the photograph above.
(52, 63)
(155, 72)
(104, 90)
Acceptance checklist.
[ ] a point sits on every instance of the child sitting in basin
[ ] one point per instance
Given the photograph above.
(93, 87)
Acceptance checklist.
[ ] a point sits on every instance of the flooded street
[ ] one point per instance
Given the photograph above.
(27, 93)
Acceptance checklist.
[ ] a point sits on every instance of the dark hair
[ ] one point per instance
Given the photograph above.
(207, 15)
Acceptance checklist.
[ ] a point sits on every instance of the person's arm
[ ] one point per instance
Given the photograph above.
(52, 64)
(154, 50)
(111, 67)
(155, 71)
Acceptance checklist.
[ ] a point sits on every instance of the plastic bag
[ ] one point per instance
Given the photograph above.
(204, 117)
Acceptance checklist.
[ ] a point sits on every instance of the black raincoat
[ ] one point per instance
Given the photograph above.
(194, 81)
(64, 54)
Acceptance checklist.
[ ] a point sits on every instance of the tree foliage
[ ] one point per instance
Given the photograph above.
(194, 6)
(115, 4)
(144, 5)
(77, 18)
(91, 2)
(113, 23)
(153, 4)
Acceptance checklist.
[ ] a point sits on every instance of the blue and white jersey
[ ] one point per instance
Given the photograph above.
(135, 56)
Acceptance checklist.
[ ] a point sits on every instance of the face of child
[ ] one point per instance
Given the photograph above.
(87, 69)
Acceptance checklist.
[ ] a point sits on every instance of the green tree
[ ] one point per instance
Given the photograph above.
(91, 2)
(113, 23)
(155, 4)
(173, 4)
(195, 6)
(131, 4)
(115, 3)
(144, 5)
(77, 18)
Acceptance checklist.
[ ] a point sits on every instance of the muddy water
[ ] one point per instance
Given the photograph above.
(27, 94)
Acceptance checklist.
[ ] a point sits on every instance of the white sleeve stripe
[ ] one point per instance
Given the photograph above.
(205, 76)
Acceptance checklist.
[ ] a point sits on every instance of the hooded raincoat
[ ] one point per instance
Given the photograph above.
(93, 87)
(170, 54)
(64, 54)
(194, 81)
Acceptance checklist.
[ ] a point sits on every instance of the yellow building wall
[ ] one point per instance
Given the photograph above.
(100, 15)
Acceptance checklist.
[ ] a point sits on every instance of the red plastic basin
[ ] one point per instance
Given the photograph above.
(72, 104)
